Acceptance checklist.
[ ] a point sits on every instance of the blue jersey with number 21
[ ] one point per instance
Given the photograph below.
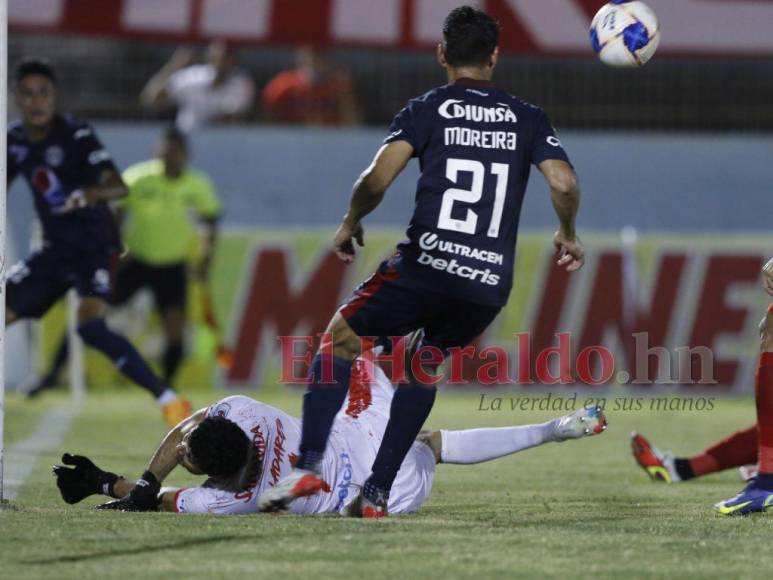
(475, 145)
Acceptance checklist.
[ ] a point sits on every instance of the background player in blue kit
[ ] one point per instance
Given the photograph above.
(71, 176)
(475, 145)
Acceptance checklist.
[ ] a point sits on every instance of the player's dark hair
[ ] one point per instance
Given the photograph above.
(469, 36)
(34, 66)
(172, 133)
(218, 447)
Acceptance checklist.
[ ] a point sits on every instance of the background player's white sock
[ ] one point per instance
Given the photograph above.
(477, 445)
(166, 397)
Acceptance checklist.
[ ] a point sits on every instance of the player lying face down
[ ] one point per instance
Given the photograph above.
(212, 446)
(243, 447)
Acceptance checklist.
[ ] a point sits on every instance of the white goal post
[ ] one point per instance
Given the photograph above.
(75, 349)
(3, 199)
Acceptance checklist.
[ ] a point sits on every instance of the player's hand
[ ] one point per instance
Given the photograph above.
(79, 478)
(125, 504)
(767, 277)
(571, 252)
(343, 244)
(76, 200)
(143, 498)
(202, 268)
(184, 56)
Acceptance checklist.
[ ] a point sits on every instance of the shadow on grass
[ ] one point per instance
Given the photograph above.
(179, 545)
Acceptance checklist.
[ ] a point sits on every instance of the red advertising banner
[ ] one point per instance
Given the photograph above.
(670, 312)
(678, 312)
(740, 27)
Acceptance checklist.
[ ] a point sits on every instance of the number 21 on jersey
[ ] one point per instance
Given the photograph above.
(472, 196)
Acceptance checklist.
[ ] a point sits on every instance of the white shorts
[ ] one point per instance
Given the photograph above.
(354, 441)
(357, 434)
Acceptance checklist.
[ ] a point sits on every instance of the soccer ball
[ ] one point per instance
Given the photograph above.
(625, 33)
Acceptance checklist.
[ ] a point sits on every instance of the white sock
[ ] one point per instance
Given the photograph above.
(168, 396)
(477, 445)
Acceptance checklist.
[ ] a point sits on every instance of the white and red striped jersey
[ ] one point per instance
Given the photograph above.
(352, 447)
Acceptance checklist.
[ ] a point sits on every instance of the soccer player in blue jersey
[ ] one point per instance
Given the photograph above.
(72, 177)
(450, 278)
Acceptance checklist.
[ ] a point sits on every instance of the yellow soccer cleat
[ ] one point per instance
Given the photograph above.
(659, 466)
(176, 411)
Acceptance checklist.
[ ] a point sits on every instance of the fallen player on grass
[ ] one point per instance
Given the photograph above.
(244, 447)
(751, 450)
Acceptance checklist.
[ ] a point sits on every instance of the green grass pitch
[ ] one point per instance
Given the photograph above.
(573, 510)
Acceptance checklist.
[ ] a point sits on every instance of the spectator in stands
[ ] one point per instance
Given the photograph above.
(214, 92)
(316, 92)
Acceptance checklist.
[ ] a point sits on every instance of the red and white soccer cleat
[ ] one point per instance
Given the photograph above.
(300, 483)
(364, 508)
(659, 466)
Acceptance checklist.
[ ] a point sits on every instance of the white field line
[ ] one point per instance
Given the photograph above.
(21, 457)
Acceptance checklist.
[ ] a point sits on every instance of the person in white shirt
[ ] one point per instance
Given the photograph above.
(213, 92)
(245, 447)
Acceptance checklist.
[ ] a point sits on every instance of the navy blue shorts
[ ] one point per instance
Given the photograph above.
(167, 283)
(381, 307)
(34, 285)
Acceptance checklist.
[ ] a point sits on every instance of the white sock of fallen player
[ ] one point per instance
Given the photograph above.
(478, 445)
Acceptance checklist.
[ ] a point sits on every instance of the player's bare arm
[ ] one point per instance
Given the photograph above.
(766, 324)
(79, 478)
(767, 277)
(110, 187)
(172, 452)
(208, 238)
(367, 194)
(154, 95)
(565, 195)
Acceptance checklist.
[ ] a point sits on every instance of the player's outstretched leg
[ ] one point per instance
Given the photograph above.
(456, 325)
(736, 450)
(757, 496)
(95, 333)
(173, 320)
(171, 360)
(329, 382)
(411, 405)
(479, 445)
